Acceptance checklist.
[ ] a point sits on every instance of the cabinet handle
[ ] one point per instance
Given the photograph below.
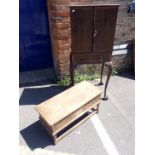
(73, 10)
(95, 33)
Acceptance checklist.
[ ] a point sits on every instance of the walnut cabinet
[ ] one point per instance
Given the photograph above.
(92, 36)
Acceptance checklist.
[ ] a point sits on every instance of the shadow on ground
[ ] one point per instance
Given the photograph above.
(36, 136)
(32, 96)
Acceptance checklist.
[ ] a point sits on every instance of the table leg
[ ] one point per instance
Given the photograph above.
(102, 68)
(71, 71)
(54, 139)
(98, 108)
(109, 66)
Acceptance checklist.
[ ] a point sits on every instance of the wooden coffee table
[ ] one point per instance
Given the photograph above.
(67, 110)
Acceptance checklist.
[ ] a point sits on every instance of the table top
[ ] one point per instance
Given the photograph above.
(58, 107)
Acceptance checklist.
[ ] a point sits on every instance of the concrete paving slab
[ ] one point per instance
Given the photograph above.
(123, 97)
(83, 140)
(117, 114)
(118, 128)
(36, 77)
(26, 151)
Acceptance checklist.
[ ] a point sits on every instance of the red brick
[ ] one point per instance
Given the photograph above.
(51, 7)
(67, 51)
(63, 47)
(60, 19)
(61, 14)
(58, 7)
(62, 37)
(63, 31)
(62, 25)
(66, 41)
(85, 1)
(61, 1)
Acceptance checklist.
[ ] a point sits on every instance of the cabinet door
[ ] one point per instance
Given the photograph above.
(82, 28)
(104, 29)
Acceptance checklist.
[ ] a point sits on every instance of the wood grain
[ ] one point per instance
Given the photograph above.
(57, 108)
(105, 22)
(81, 29)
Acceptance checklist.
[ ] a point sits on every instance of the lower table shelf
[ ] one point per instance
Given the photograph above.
(61, 134)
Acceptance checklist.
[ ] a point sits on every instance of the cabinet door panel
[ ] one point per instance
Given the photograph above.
(82, 29)
(104, 29)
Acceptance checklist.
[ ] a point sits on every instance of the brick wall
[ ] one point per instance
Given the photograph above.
(59, 22)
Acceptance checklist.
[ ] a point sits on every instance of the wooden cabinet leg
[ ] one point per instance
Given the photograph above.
(98, 108)
(101, 83)
(54, 139)
(109, 66)
(71, 71)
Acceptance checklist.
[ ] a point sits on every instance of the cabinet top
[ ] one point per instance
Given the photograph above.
(75, 4)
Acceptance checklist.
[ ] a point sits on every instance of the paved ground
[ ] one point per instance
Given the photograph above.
(111, 132)
(36, 77)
